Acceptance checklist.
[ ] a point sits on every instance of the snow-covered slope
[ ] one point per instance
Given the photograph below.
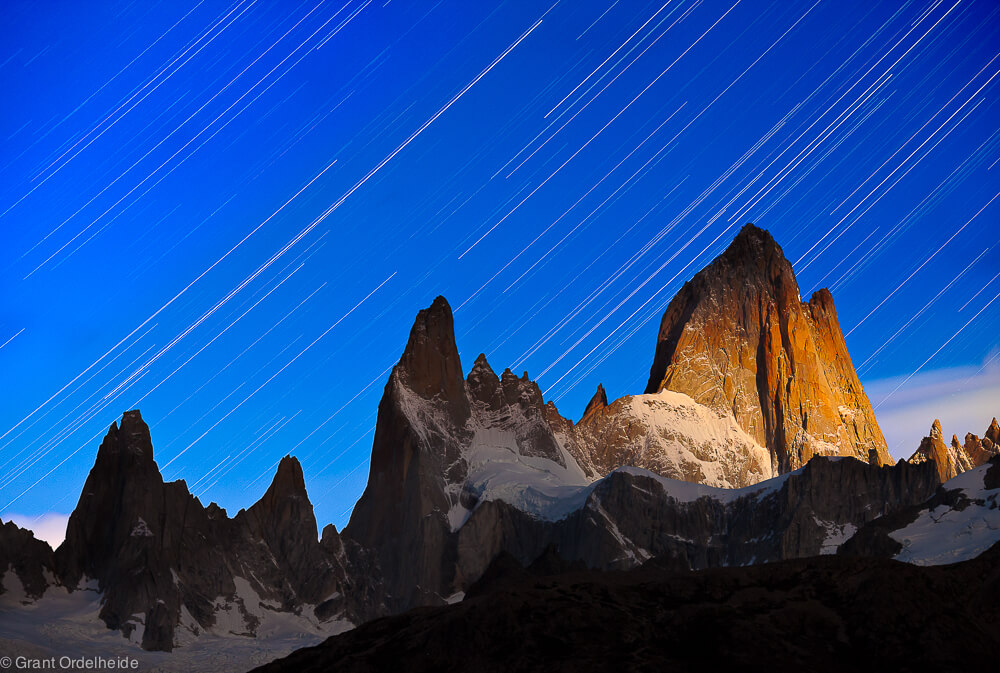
(62, 623)
(671, 434)
(955, 531)
(536, 485)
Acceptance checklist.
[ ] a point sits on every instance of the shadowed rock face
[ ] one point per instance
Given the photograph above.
(402, 514)
(430, 365)
(29, 558)
(738, 339)
(630, 518)
(154, 549)
(427, 421)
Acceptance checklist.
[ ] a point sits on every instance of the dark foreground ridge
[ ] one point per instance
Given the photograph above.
(817, 614)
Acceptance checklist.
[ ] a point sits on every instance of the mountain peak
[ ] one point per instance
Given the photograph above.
(738, 339)
(284, 511)
(753, 253)
(993, 432)
(482, 363)
(130, 435)
(753, 236)
(822, 300)
(288, 479)
(430, 364)
(957, 458)
(597, 402)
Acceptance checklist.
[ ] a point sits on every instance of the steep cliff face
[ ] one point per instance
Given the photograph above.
(633, 515)
(444, 445)
(737, 338)
(416, 455)
(958, 457)
(164, 563)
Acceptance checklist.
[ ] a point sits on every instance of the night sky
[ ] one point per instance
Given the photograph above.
(228, 214)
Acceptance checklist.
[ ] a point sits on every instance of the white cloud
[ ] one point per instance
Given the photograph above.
(50, 526)
(964, 399)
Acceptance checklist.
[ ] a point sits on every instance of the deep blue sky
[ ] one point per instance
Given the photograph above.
(160, 161)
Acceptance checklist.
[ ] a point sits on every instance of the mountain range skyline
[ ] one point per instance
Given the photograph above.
(753, 445)
(383, 145)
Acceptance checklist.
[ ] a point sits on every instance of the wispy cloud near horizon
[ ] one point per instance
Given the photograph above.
(964, 399)
(50, 526)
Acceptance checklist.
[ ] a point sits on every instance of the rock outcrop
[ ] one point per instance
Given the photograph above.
(632, 515)
(738, 339)
(958, 457)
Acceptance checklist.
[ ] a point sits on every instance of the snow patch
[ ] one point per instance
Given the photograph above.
(949, 535)
(686, 491)
(671, 434)
(538, 486)
(141, 529)
(836, 535)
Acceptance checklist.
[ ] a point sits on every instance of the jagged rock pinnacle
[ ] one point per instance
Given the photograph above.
(288, 481)
(959, 456)
(597, 402)
(430, 364)
(993, 432)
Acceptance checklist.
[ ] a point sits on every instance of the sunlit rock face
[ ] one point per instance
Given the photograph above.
(958, 457)
(738, 339)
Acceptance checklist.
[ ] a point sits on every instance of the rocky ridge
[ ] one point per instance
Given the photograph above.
(958, 457)
(462, 471)
(466, 469)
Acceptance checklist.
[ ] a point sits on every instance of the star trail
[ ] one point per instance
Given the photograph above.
(227, 214)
